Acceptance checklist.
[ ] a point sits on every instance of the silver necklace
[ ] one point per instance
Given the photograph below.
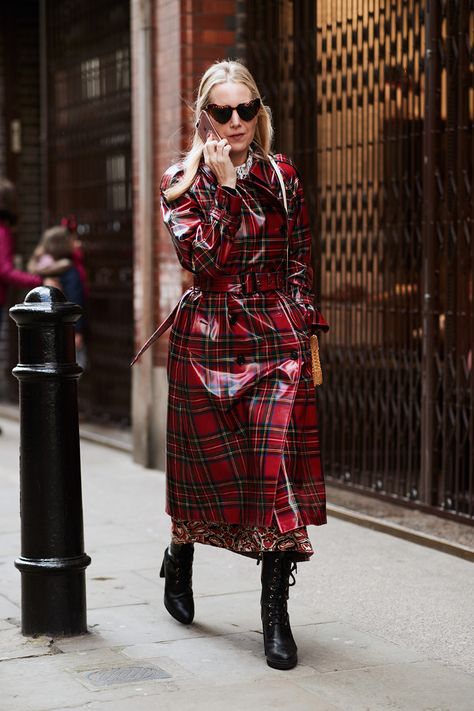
(243, 170)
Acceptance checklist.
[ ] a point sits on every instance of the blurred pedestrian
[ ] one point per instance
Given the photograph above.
(243, 462)
(53, 259)
(9, 276)
(70, 222)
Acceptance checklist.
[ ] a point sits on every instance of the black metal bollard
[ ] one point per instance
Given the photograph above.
(52, 561)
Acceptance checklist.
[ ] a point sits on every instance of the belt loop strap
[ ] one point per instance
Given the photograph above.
(249, 283)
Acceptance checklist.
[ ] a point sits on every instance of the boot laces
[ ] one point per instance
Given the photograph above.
(279, 591)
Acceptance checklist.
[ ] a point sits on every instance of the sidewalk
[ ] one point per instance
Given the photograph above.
(381, 623)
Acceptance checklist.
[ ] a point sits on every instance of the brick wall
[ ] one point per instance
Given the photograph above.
(192, 34)
(189, 35)
(173, 43)
(169, 130)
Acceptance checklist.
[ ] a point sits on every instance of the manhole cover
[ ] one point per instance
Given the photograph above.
(123, 675)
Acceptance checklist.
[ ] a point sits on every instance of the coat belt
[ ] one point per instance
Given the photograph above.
(249, 283)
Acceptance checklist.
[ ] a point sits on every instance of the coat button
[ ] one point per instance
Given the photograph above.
(240, 359)
(233, 319)
(294, 355)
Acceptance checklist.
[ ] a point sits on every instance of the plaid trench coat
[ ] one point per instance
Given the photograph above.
(242, 430)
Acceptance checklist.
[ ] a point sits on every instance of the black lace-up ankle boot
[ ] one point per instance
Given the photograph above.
(177, 570)
(280, 647)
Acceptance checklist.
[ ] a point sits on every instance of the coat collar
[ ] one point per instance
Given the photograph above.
(261, 173)
(260, 169)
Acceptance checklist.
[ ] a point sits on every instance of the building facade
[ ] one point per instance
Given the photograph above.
(65, 111)
(375, 103)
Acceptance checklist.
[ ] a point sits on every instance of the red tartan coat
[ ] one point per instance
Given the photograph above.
(242, 435)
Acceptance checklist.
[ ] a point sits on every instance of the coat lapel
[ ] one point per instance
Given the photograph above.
(262, 174)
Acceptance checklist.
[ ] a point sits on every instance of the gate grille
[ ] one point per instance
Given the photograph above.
(375, 101)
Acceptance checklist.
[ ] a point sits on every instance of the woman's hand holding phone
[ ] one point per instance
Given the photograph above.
(217, 156)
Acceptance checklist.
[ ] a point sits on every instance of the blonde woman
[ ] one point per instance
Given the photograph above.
(243, 464)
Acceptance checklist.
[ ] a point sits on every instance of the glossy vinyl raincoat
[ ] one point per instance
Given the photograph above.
(242, 436)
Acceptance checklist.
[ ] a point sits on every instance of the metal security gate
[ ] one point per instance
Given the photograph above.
(86, 99)
(375, 100)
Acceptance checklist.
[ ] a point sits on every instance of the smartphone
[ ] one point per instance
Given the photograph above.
(206, 126)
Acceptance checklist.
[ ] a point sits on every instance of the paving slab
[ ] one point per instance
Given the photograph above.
(416, 686)
(411, 595)
(220, 572)
(128, 625)
(111, 533)
(215, 573)
(257, 696)
(5, 624)
(108, 558)
(14, 646)
(226, 613)
(336, 646)
(47, 682)
(8, 608)
(9, 543)
(380, 623)
(219, 659)
(119, 588)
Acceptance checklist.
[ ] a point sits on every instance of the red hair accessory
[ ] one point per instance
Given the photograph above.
(70, 222)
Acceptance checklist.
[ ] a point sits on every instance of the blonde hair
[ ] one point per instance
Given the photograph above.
(218, 73)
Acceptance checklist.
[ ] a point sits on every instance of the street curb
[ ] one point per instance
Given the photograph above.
(105, 440)
(407, 534)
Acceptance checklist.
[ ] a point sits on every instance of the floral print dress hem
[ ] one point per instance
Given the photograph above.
(250, 541)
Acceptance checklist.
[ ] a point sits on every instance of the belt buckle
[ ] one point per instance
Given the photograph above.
(249, 283)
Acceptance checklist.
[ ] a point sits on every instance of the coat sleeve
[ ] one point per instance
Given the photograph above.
(8, 273)
(203, 239)
(300, 270)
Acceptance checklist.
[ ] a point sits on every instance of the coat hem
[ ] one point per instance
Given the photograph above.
(316, 518)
